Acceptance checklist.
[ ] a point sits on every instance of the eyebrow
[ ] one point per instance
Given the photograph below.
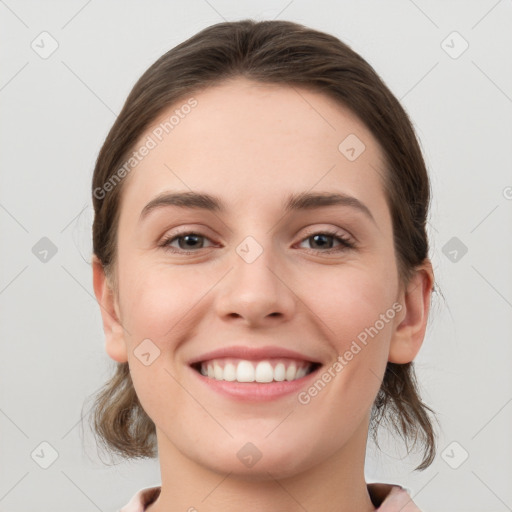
(295, 202)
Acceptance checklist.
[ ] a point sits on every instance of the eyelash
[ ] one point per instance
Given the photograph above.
(345, 242)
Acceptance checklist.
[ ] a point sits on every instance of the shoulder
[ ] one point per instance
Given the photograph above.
(391, 498)
(142, 499)
(388, 497)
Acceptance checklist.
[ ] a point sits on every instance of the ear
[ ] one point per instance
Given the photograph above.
(114, 335)
(410, 331)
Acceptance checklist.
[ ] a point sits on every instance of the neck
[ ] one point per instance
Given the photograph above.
(336, 484)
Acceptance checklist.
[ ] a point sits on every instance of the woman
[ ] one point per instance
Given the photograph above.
(261, 264)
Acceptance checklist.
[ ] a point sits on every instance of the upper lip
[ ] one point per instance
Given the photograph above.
(253, 354)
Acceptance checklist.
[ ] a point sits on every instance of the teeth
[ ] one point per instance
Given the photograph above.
(279, 372)
(217, 371)
(244, 372)
(252, 371)
(291, 372)
(229, 372)
(264, 372)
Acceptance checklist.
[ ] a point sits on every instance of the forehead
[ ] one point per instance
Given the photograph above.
(255, 142)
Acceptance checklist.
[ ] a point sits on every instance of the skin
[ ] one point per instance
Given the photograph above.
(252, 144)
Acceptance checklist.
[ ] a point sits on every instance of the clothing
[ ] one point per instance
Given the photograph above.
(387, 497)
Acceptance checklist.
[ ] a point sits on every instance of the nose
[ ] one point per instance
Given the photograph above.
(257, 292)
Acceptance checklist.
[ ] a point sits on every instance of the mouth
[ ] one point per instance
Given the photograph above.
(247, 373)
(264, 371)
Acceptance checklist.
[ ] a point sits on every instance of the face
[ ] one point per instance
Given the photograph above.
(305, 299)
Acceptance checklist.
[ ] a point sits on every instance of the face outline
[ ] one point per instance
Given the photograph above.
(252, 145)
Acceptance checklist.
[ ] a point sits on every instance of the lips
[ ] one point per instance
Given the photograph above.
(248, 364)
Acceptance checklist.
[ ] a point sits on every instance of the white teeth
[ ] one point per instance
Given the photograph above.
(252, 371)
(217, 371)
(244, 372)
(264, 372)
(279, 372)
(291, 372)
(229, 372)
(301, 372)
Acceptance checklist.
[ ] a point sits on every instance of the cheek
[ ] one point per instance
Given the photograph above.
(351, 300)
(357, 308)
(156, 301)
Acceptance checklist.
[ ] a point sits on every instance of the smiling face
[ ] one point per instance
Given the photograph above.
(288, 261)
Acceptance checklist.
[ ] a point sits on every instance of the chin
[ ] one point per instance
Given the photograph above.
(258, 461)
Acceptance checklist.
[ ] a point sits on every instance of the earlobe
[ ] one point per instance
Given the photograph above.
(409, 332)
(114, 336)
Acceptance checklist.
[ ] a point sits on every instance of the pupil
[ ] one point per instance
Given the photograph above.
(187, 239)
(315, 237)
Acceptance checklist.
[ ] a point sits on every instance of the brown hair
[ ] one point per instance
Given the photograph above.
(279, 52)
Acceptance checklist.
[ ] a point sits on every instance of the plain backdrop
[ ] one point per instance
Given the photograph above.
(449, 64)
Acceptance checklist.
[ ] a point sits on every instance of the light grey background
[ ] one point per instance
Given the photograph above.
(56, 112)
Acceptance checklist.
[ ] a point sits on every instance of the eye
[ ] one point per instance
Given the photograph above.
(190, 242)
(321, 238)
(186, 241)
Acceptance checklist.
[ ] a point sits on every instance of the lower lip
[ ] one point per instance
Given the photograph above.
(256, 391)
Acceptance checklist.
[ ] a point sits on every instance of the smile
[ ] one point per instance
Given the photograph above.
(263, 371)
